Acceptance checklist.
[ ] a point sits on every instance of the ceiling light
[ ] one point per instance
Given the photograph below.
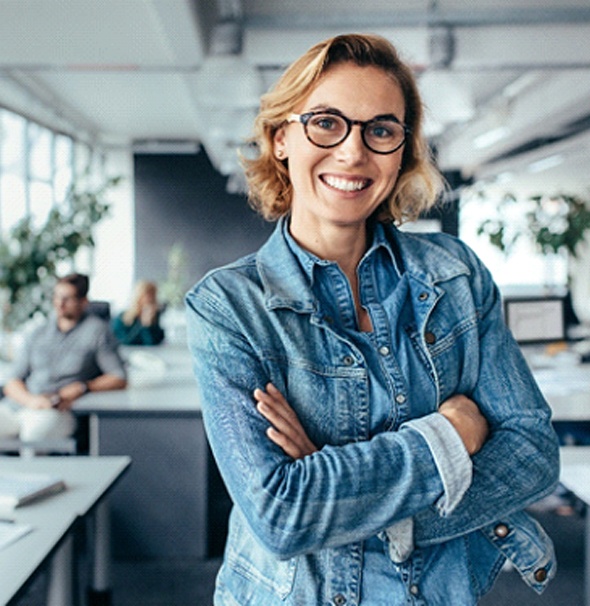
(491, 137)
(545, 163)
(518, 86)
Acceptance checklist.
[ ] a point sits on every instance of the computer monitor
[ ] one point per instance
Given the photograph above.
(536, 319)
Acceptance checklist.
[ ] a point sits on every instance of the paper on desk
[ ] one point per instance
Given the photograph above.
(11, 532)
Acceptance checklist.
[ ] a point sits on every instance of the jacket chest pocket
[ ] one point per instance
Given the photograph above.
(449, 347)
(331, 400)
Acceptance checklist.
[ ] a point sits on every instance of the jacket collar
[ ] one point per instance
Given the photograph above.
(288, 284)
(285, 281)
(427, 258)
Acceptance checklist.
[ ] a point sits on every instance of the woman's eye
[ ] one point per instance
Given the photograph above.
(325, 123)
(381, 130)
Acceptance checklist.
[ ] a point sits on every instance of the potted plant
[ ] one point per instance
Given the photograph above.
(31, 255)
(555, 223)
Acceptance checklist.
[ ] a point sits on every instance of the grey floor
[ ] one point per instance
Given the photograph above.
(190, 583)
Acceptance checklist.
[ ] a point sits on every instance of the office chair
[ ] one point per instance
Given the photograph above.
(102, 309)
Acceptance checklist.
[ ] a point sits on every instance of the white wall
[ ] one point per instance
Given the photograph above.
(114, 255)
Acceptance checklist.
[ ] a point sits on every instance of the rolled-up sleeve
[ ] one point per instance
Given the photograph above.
(450, 456)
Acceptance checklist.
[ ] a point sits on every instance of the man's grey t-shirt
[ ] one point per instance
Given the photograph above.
(52, 359)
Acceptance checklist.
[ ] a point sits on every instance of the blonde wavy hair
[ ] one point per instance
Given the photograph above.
(419, 184)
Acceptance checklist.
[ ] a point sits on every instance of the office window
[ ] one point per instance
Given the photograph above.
(64, 167)
(13, 188)
(524, 265)
(36, 170)
(40, 169)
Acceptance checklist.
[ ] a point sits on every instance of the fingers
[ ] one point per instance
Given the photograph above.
(286, 431)
(276, 408)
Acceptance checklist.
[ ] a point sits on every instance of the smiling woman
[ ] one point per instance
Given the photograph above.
(374, 421)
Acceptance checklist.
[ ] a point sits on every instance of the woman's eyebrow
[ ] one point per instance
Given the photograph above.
(334, 110)
(326, 108)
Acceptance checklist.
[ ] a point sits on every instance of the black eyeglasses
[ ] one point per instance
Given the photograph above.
(382, 135)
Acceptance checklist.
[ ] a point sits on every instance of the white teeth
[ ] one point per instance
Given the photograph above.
(345, 184)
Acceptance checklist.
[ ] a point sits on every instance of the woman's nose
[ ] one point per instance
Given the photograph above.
(352, 149)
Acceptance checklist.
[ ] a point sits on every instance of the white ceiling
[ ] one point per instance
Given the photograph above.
(171, 74)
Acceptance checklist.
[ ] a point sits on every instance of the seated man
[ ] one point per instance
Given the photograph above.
(71, 354)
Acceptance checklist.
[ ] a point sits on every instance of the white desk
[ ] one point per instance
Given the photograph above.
(575, 475)
(88, 479)
(567, 389)
(160, 380)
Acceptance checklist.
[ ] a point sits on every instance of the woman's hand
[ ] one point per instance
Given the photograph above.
(286, 431)
(148, 314)
(466, 418)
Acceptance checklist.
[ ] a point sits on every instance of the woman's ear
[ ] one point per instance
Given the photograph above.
(279, 144)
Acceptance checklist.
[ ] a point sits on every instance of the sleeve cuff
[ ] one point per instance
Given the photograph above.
(450, 457)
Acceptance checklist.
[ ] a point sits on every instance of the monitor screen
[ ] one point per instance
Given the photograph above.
(536, 320)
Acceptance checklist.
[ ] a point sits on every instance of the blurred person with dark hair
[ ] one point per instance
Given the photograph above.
(74, 352)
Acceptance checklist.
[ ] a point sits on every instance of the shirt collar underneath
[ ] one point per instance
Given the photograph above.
(309, 261)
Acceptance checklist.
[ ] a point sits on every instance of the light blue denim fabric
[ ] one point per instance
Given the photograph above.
(305, 532)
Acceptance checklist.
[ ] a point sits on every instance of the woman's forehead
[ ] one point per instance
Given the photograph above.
(348, 86)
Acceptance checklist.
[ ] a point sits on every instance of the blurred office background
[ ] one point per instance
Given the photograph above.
(162, 93)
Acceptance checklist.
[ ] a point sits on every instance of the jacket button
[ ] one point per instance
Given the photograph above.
(339, 599)
(501, 531)
(540, 575)
(414, 589)
(423, 296)
(348, 360)
(384, 350)
(430, 338)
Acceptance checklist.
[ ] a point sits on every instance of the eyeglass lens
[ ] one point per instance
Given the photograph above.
(381, 136)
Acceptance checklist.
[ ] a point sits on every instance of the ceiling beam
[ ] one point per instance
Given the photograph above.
(353, 19)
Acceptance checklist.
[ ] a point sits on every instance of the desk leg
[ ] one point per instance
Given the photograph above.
(99, 593)
(93, 435)
(61, 588)
(587, 559)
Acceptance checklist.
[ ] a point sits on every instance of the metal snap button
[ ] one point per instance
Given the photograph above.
(540, 575)
(414, 590)
(430, 338)
(400, 398)
(384, 350)
(348, 360)
(423, 296)
(501, 531)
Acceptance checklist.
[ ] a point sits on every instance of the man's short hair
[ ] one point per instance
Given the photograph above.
(79, 281)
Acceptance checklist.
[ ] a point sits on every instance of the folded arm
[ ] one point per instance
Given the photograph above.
(329, 497)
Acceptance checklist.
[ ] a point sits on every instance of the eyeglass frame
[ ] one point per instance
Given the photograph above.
(305, 117)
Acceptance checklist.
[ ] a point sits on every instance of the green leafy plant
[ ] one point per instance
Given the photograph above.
(30, 255)
(554, 223)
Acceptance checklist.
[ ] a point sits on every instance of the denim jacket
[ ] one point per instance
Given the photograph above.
(298, 527)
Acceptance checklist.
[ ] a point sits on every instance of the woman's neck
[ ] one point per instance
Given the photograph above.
(344, 245)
